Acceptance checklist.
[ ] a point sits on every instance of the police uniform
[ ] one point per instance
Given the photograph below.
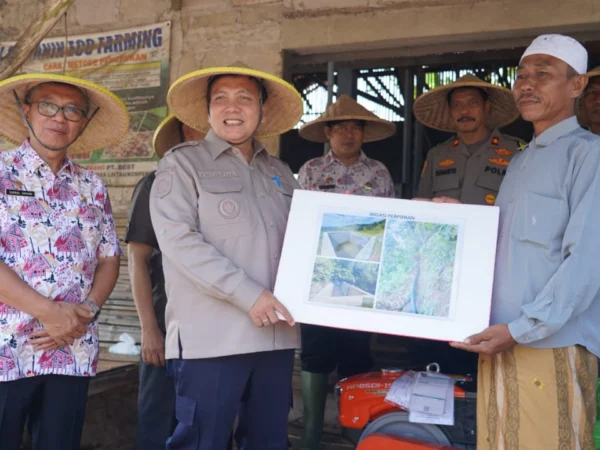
(471, 175)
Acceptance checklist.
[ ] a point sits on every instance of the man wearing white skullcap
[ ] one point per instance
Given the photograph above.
(538, 359)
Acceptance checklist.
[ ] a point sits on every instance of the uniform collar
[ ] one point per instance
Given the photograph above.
(555, 132)
(493, 140)
(32, 161)
(216, 145)
(330, 158)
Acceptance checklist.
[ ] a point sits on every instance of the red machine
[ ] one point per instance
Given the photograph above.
(386, 441)
(383, 426)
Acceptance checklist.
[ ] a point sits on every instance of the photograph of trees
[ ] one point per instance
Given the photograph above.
(344, 282)
(417, 268)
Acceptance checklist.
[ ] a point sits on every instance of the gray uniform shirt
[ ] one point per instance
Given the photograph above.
(546, 284)
(471, 176)
(220, 224)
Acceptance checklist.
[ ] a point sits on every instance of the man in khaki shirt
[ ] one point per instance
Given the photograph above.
(471, 165)
(219, 208)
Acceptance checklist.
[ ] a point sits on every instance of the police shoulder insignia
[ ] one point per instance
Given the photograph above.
(455, 142)
(447, 162)
(490, 199)
(503, 151)
(499, 161)
(495, 141)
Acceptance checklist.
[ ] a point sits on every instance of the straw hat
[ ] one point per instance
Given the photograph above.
(581, 113)
(187, 99)
(167, 135)
(346, 108)
(108, 126)
(432, 110)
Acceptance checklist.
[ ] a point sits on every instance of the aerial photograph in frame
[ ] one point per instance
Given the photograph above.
(417, 268)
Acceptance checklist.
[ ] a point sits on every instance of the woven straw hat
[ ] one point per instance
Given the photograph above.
(432, 110)
(167, 135)
(346, 108)
(107, 127)
(187, 99)
(581, 113)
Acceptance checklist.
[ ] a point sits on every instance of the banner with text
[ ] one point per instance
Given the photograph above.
(134, 64)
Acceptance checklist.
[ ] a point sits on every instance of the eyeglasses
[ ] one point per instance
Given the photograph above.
(71, 113)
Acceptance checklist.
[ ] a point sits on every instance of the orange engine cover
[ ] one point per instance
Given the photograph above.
(361, 398)
(383, 441)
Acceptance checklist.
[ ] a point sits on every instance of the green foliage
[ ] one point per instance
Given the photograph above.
(342, 272)
(359, 274)
(371, 229)
(323, 270)
(366, 276)
(412, 245)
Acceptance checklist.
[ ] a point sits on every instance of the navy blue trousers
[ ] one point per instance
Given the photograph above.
(210, 392)
(156, 408)
(53, 404)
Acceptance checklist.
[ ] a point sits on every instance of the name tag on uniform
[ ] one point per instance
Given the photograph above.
(217, 174)
(442, 172)
(20, 193)
(325, 187)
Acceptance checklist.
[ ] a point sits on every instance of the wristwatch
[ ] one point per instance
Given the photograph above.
(94, 307)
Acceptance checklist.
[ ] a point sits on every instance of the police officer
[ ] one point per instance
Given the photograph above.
(471, 165)
(345, 169)
(219, 208)
(156, 395)
(589, 105)
(468, 167)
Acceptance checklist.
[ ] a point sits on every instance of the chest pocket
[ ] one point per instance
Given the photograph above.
(222, 210)
(445, 182)
(490, 181)
(285, 189)
(539, 219)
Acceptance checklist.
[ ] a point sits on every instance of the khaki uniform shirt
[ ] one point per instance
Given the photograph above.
(471, 176)
(220, 224)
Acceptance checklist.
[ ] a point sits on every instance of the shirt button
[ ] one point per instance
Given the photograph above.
(274, 256)
(261, 195)
(271, 224)
(161, 232)
(501, 235)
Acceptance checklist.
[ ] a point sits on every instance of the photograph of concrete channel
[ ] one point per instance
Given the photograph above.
(351, 237)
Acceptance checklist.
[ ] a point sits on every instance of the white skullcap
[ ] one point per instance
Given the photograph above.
(562, 47)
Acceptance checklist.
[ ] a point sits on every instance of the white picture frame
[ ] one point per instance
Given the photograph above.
(433, 265)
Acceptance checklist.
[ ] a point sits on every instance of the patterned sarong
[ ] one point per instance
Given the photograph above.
(537, 399)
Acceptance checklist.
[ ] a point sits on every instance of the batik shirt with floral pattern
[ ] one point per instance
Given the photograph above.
(53, 229)
(365, 177)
